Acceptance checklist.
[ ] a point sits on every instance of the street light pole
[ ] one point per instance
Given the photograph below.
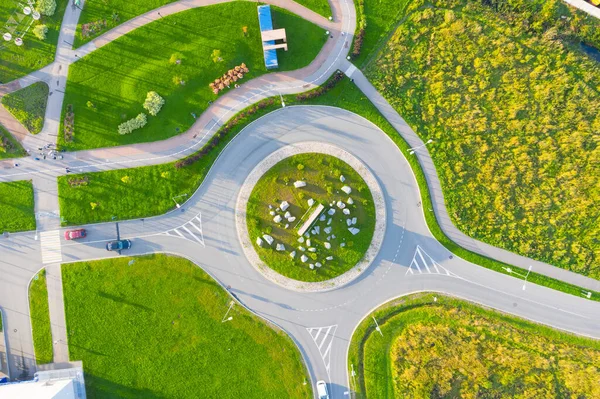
(225, 318)
(413, 149)
(528, 271)
(178, 196)
(377, 326)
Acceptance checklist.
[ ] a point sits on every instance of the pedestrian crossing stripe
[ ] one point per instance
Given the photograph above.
(51, 246)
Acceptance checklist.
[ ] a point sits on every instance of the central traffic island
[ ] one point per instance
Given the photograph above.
(307, 217)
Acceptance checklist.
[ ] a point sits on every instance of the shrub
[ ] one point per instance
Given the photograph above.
(153, 103)
(269, 229)
(125, 179)
(90, 104)
(40, 31)
(216, 56)
(46, 7)
(93, 205)
(301, 195)
(175, 58)
(178, 80)
(136, 123)
(300, 166)
(319, 91)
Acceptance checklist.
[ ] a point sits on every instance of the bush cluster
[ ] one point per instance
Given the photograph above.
(362, 26)
(69, 123)
(222, 132)
(40, 31)
(136, 123)
(46, 7)
(153, 103)
(319, 91)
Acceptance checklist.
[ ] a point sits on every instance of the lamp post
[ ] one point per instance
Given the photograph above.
(225, 318)
(528, 271)
(377, 328)
(412, 150)
(178, 196)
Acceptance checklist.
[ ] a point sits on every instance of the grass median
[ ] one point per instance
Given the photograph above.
(40, 319)
(453, 348)
(28, 106)
(9, 146)
(344, 95)
(16, 207)
(152, 327)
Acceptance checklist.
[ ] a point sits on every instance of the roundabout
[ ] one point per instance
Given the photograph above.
(301, 224)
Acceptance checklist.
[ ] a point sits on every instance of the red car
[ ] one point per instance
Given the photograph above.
(75, 234)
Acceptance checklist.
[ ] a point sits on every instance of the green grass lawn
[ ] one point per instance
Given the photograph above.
(40, 319)
(9, 146)
(510, 177)
(120, 200)
(322, 176)
(17, 208)
(34, 54)
(28, 106)
(116, 12)
(116, 78)
(452, 348)
(319, 6)
(153, 329)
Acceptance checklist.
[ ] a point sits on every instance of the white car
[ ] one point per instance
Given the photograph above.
(322, 390)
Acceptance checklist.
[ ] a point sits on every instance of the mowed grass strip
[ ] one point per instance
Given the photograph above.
(109, 86)
(452, 348)
(319, 6)
(40, 319)
(154, 329)
(322, 176)
(17, 61)
(16, 207)
(28, 106)
(9, 146)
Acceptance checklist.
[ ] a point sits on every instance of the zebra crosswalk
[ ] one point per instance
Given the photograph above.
(51, 247)
(323, 338)
(422, 263)
(191, 230)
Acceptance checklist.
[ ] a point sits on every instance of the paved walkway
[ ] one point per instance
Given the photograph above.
(58, 323)
(585, 7)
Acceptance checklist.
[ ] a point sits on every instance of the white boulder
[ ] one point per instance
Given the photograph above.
(329, 222)
(301, 249)
(284, 206)
(342, 245)
(318, 264)
(342, 178)
(327, 245)
(301, 239)
(304, 258)
(350, 201)
(299, 184)
(317, 230)
(346, 189)
(333, 236)
(287, 225)
(322, 218)
(259, 241)
(349, 222)
(268, 239)
(354, 220)
(329, 257)
(272, 213)
(341, 205)
(346, 211)
(353, 230)
(331, 211)
(312, 249)
(311, 202)
(287, 215)
(280, 247)
(291, 219)
(293, 254)
(312, 266)
(308, 242)
(277, 219)
(327, 230)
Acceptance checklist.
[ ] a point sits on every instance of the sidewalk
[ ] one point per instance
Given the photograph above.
(58, 324)
(437, 195)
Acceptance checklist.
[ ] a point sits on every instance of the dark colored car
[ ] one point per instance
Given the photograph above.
(118, 245)
(75, 234)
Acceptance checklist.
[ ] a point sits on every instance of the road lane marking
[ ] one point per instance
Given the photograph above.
(324, 343)
(422, 263)
(51, 246)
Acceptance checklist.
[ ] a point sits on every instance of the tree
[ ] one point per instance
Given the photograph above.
(46, 7)
(136, 123)
(153, 103)
(40, 31)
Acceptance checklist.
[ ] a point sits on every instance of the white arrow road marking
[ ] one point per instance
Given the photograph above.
(324, 342)
(422, 263)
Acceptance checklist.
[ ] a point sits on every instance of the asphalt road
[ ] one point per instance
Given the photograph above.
(410, 260)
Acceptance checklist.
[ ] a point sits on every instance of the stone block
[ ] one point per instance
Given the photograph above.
(299, 184)
(346, 189)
